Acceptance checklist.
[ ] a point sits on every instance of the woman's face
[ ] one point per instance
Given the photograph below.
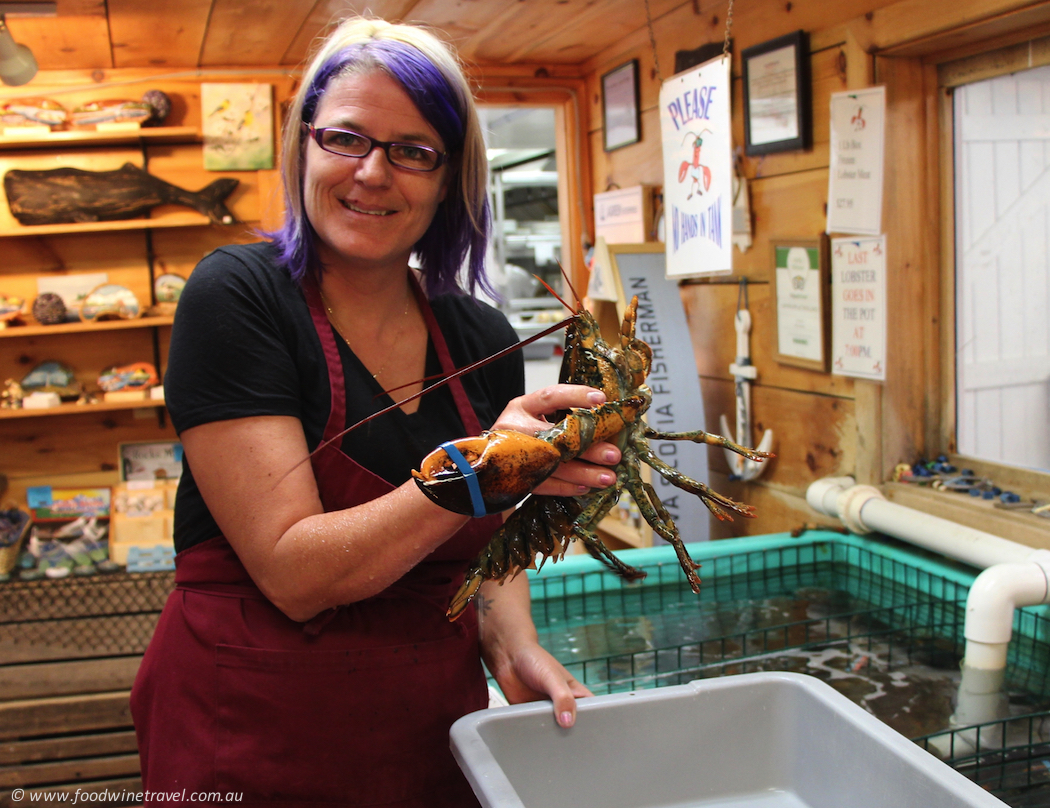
(368, 213)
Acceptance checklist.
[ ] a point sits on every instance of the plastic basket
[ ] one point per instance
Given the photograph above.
(775, 740)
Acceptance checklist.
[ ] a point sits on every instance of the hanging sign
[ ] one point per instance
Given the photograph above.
(858, 294)
(677, 405)
(698, 170)
(858, 122)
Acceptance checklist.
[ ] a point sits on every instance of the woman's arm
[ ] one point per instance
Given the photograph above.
(257, 481)
(259, 487)
(524, 670)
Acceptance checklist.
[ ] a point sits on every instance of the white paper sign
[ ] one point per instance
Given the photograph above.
(858, 121)
(698, 170)
(858, 307)
(800, 325)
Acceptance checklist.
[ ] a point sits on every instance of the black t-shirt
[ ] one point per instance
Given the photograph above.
(244, 345)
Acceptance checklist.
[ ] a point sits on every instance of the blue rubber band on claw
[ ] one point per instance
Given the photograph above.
(471, 478)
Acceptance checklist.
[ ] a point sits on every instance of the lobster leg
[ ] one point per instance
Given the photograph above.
(715, 502)
(699, 436)
(656, 514)
(592, 515)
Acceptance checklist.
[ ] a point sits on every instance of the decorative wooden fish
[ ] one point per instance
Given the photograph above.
(65, 195)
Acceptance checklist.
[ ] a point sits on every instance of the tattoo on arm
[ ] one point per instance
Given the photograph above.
(483, 604)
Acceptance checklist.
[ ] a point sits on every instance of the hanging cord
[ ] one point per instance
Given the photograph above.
(741, 295)
(652, 40)
(729, 27)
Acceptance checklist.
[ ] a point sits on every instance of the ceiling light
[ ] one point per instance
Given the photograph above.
(17, 65)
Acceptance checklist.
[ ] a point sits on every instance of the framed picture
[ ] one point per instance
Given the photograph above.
(621, 117)
(802, 292)
(777, 108)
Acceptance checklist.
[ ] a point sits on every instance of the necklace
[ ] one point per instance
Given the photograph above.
(397, 339)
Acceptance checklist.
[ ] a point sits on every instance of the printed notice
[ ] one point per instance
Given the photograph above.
(773, 102)
(800, 321)
(698, 170)
(858, 307)
(855, 178)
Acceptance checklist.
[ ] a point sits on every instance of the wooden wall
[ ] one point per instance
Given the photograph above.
(823, 424)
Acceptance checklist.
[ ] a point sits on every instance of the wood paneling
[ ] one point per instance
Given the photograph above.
(64, 714)
(776, 511)
(252, 32)
(711, 308)
(135, 30)
(77, 38)
(65, 679)
(803, 454)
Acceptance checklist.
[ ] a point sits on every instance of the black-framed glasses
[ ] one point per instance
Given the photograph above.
(412, 156)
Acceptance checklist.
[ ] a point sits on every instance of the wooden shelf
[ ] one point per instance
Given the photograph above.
(72, 328)
(46, 140)
(78, 409)
(174, 219)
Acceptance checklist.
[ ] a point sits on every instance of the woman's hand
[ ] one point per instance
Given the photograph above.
(533, 674)
(523, 669)
(591, 470)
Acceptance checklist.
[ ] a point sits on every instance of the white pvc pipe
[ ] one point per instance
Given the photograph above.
(1014, 575)
(863, 509)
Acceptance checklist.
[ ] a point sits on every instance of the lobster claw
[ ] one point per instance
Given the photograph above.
(506, 464)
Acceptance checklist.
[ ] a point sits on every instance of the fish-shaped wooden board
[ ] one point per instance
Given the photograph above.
(67, 195)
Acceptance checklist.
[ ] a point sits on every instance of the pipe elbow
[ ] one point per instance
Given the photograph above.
(997, 592)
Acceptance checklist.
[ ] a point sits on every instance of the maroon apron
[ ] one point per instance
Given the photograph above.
(352, 708)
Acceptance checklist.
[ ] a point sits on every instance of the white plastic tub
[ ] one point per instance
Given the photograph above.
(757, 740)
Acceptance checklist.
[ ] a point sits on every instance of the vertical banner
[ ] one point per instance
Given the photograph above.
(677, 406)
(698, 170)
(858, 308)
(858, 121)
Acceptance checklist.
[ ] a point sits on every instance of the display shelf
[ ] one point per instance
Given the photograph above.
(50, 140)
(173, 219)
(80, 409)
(80, 327)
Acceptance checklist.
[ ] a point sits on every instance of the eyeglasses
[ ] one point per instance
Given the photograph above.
(353, 144)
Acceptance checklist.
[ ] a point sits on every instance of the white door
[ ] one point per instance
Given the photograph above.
(1002, 213)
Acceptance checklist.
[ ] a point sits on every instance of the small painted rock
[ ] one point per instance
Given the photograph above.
(159, 103)
(109, 301)
(33, 112)
(113, 111)
(52, 377)
(49, 309)
(168, 288)
(136, 376)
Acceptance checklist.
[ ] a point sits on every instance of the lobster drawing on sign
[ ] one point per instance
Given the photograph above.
(699, 174)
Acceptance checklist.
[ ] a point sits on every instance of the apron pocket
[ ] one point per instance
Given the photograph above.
(356, 727)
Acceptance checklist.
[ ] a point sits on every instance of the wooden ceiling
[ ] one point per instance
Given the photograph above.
(93, 34)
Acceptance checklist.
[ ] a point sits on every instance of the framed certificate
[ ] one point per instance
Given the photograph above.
(802, 289)
(621, 117)
(777, 109)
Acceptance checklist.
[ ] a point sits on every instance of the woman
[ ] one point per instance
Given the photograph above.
(305, 655)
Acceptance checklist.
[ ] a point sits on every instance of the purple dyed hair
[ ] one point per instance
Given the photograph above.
(459, 231)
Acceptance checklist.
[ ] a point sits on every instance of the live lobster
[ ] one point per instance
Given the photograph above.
(497, 469)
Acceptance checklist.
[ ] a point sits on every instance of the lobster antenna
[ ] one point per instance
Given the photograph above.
(556, 295)
(454, 375)
(575, 294)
